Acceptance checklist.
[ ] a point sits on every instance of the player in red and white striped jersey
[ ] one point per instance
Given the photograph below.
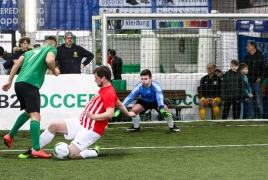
(91, 125)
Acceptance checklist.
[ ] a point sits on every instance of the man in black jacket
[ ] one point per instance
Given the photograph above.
(116, 64)
(211, 92)
(256, 69)
(70, 55)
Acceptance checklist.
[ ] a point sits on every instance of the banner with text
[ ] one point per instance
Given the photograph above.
(77, 14)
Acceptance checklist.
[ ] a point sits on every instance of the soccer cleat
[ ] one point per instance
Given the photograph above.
(7, 140)
(26, 154)
(40, 154)
(97, 149)
(175, 128)
(133, 129)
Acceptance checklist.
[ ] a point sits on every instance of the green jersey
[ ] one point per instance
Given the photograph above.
(34, 66)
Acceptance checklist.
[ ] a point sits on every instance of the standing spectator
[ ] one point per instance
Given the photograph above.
(24, 45)
(31, 78)
(70, 55)
(35, 46)
(210, 92)
(151, 97)
(256, 66)
(3, 71)
(233, 91)
(116, 63)
(218, 72)
(246, 106)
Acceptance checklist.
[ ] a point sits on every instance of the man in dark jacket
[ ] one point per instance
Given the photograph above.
(70, 55)
(211, 92)
(116, 64)
(256, 71)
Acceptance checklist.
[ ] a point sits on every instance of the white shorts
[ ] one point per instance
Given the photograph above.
(85, 138)
(82, 138)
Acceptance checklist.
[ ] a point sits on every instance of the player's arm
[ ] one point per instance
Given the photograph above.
(13, 72)
(50, 60)
(108, 114)
(119, 105)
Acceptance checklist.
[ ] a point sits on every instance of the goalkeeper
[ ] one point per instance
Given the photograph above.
(151, 97)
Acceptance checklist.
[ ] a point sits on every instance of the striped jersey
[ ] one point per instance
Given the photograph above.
(105, 98)
(34, 66)
(150, 94)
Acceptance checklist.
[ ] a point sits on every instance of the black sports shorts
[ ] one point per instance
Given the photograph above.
(28, 96)
(147, 105)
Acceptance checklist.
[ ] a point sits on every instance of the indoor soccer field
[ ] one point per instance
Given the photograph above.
(203, 150)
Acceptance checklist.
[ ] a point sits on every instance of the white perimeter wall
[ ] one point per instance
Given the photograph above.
(65, 96)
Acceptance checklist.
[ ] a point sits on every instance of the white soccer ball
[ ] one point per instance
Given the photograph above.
(61, 150)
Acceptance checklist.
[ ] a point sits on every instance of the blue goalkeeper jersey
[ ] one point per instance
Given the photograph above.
(151, 94)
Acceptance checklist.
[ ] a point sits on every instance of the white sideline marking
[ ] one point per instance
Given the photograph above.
(161, 147)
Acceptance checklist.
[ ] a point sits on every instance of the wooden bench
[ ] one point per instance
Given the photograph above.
(170, 94)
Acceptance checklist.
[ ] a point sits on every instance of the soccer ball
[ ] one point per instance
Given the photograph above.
(61, 150)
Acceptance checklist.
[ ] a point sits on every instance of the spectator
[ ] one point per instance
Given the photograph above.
(29, 81)
(24, 44)
(256, 66)
(233, 91)
(219, 73)
(99, 62)
(116, 63)
(210, 92)
(151, 97)
(3, 71)
(247, 105)
(70, 55)
(35, 46)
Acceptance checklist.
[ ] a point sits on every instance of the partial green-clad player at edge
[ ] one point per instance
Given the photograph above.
(34, 65)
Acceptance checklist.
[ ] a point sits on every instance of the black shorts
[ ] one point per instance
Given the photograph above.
(28, 96)
(148, 105)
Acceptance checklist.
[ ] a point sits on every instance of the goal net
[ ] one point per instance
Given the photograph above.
(177, 48)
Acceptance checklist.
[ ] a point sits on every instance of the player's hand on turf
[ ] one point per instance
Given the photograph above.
(6, 86)
(116, 113)
(165, 114)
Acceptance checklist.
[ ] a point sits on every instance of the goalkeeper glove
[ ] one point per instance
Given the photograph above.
(116, 113)
(166, 114)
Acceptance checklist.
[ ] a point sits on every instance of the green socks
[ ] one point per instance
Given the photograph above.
(35, 133)
(20, 121)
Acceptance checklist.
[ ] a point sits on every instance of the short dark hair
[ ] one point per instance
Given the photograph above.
(25, 38)
(253, 43)
(53, 38)
(112, 52)
(103, 71)
(235, 62)
(146, 72)
(1, 51)
(218, 70)
(242, 66)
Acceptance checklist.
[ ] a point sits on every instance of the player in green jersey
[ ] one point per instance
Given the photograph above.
(34, 65)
